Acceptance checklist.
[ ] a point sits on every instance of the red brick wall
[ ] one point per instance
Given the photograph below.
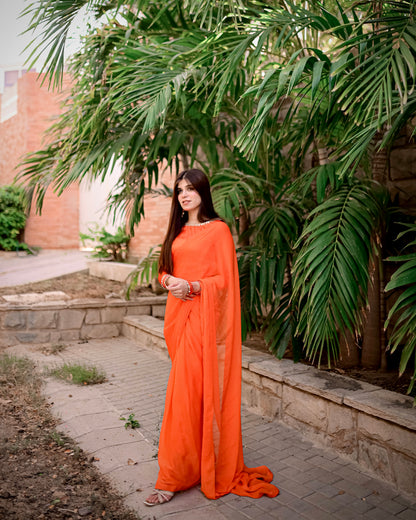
(151, 230)
(58, 226)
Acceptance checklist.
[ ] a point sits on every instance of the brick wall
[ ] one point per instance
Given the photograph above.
(57, 227)
(152, 229)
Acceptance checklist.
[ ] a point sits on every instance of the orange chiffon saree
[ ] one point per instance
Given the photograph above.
(200, 439)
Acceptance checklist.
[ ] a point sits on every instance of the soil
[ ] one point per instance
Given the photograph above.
(44, 475)
(78, 285)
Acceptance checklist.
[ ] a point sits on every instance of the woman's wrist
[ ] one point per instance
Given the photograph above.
(194, 287)
(197, 287)
(165, 280)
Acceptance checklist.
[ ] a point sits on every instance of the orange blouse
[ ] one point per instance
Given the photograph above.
(200, 439)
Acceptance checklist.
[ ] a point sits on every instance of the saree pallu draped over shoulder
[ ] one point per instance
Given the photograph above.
(200, 439)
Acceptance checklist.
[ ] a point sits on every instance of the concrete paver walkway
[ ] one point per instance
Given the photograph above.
(315, 483)
(18, 269)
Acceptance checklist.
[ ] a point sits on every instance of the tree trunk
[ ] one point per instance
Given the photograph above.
(349, 354)
(373, 354)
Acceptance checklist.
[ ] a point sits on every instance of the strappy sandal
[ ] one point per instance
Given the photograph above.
(162, 497)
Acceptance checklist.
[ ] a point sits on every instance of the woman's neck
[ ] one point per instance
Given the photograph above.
(193, 218)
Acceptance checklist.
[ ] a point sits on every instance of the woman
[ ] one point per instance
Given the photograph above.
(200, 439)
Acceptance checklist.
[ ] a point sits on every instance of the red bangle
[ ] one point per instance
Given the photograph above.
(191, 288)
(163, 280)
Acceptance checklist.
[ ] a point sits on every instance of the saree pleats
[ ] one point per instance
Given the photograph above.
(200, 438)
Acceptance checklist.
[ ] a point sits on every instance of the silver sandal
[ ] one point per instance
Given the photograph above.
(162, 497)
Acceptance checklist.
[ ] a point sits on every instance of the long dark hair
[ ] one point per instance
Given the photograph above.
(178, 217)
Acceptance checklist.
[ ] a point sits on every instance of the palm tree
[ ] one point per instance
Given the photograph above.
(250, 90)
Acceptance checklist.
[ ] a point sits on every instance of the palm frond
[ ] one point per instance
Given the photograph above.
(330, 275)
(55, 18)
(384, 62)
(232, 190)
(403, 313)
(146, 270)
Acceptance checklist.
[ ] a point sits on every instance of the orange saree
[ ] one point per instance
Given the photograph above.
(200, 438)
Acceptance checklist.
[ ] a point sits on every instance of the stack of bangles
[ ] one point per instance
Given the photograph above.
(165, 278)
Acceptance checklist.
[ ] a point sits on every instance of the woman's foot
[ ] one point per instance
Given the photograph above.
(158, 496)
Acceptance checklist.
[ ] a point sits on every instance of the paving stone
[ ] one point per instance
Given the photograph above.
(347, 514)
(285, 513)
(294, 487)
(230, 513)
(323, 502)
(408, 514)
(318, 514)
(392, 506)
(379, 514)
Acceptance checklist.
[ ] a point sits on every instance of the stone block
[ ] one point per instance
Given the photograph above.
(328, 385)
(104, 330)
(375, 458)
(248, 397)
(92, 317)
(386, 405)
(274, 387)
(7, 339)
(33, 337)
(250, 355)
(42, 320)
(113, 314)
(251, 378)
(70, 335)
(404, 470)
(342, 428)
(139, 310)
(15, 320)
(158, 311)
(117, 271)
(305, 407)
(278, 369)
(71, 319)
(30, 298)
(383, 432)
(268, 405)
(147, 324)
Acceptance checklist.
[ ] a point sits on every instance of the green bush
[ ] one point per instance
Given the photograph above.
(12, 218)
(111, 247)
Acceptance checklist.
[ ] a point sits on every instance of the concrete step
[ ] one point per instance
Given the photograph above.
(146, 330)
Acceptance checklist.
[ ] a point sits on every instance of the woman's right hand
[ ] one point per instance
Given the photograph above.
(179, 288)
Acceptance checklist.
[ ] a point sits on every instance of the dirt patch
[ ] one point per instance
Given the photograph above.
(389, 380)
(78, 285)
(44, 475)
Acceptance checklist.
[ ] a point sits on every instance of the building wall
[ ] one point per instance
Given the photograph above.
(152, 229)
(57, 227)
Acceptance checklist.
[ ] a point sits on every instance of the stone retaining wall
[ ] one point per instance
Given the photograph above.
(374, 427)
(71, 320)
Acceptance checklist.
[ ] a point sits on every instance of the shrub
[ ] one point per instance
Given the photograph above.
(12, 218)
(112, 247)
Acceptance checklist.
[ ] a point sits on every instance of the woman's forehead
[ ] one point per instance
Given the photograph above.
(184, 183)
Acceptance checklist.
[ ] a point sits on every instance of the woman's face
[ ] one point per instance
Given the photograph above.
(188, 197)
